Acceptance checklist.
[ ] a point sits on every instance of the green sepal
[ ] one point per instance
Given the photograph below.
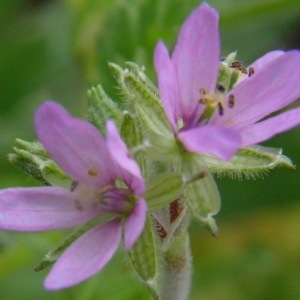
(250, 162)
(52, 256)
(143, 256)
(201, 193)
(163, 147)
(141, 98)
(164, 189)
(101, 108)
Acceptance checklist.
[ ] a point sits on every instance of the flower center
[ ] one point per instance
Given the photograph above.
(110, 198)
(231, 73)
(215, 101)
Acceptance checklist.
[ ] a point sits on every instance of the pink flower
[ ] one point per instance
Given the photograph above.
(188, 86)
(94, 163)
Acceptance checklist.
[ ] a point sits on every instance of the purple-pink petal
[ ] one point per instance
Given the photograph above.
(128, 169)
(135, 223)
(213, 140)
(264, 60)
(196, 56)
(40, 208)
(269, 90)
(75, 145)
(264, 130)
(167, 84)
(85, 257)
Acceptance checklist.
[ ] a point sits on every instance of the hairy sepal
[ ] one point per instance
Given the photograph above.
(250, 162)
(201, 193)
(143, 256)
(164, 189)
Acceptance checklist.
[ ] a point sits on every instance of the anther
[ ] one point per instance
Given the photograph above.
(231, 101)
(78, 205)
(74, 185)
(202, 174)
(93, 172)
(220, 88)
(203, 91)
(238, 65)
(220, 109)
(250, 71)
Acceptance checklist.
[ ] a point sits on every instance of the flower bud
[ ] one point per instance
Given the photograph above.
(141, 98)
(101, 108)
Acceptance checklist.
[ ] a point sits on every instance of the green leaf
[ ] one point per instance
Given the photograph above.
(249, 162)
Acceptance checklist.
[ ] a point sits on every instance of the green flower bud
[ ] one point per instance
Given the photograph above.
(28, 156)
(141, 98)
(101, 108)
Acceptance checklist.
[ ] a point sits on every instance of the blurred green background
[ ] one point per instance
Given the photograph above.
(58, 49)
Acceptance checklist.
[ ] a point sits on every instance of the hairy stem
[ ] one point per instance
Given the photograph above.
(174, 278)
(176, 271)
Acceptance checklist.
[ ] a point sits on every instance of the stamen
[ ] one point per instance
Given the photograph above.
(238, 65)
(78, 205)
(250, 71)
(204, 101)
(231, 101)
(220, 88)
(93, 172)
(203, 91)
(202, 174)
(220, 109)
(105, 188)
(74, 185)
